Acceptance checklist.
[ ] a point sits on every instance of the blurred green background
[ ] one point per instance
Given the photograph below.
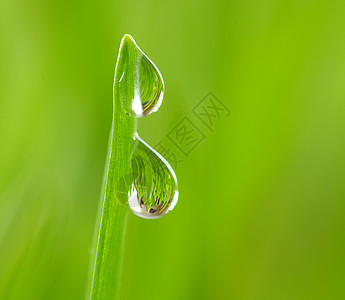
(261, 213)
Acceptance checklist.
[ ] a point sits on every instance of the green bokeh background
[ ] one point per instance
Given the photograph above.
(261, 213)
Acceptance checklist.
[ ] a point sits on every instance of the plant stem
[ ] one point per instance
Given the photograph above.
(109, 242)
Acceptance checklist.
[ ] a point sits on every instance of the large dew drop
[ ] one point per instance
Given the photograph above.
(151, 188)
(154, 185)
(139, 81)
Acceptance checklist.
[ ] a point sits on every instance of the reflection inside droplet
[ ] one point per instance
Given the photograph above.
(151, 86)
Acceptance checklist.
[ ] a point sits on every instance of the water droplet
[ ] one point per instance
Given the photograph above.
(152, 183)
(138, 81)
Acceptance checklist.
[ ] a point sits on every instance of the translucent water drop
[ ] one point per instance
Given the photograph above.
(139, 82)
(152, 185)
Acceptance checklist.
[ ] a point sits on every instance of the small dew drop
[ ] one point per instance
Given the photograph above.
(140, 82)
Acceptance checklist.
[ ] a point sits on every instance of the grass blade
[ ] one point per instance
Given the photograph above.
(109, 238)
